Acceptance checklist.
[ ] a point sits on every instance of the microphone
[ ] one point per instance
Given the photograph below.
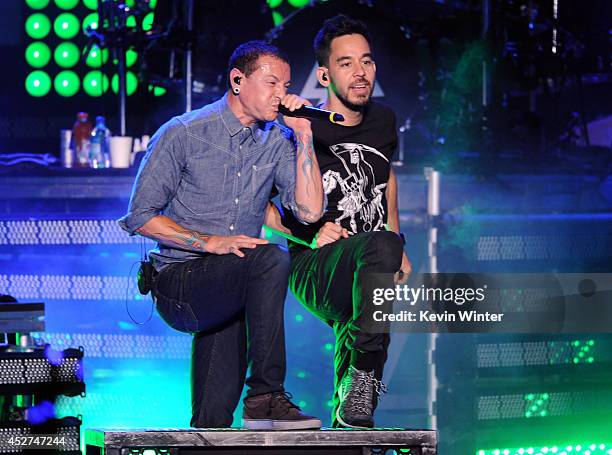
(311, 112)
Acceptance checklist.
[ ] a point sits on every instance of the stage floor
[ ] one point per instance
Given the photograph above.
(235, 441)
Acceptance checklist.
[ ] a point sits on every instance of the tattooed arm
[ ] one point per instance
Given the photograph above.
(164, 230)
(308, 184)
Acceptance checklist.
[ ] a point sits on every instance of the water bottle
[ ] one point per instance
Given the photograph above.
(81, 135)
(98, 150)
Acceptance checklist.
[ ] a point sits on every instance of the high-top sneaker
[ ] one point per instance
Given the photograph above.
(275, 411)
(356, 393)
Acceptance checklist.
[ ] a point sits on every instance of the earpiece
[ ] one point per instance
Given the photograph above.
(236, 80)
(324, 76)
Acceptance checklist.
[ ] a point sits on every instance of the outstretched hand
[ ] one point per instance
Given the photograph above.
(218, 244)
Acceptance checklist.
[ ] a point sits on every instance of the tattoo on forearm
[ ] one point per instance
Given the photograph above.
(305, 148)
(304, 211)
(190, 238)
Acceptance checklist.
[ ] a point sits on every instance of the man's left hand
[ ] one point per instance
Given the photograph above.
(293, 102)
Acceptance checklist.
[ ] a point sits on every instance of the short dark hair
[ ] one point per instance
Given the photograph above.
(339, 25)
(245, 57)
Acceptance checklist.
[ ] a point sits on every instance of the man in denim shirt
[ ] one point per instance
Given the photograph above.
(201, 193)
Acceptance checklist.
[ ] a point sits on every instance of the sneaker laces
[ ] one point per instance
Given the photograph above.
(359, 385)
(283, 399)
(380, 388)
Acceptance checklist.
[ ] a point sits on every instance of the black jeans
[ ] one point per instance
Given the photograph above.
(326, 281)
(221, 299)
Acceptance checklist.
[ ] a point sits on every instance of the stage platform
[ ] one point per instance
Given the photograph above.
(383, 441)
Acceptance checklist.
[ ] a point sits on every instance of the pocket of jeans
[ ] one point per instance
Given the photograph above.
(262, 178)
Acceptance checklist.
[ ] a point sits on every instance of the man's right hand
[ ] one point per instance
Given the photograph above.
(329, 233)
(218, 244)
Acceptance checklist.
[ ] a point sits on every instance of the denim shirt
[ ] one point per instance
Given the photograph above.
(208, 172)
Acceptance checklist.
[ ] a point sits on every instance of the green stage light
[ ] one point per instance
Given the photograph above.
(152, 4)
(96, 57)
(130, 57)
(299, 3)
(38, 83)
(147, 22)
(301, 374)
(37, 4)
(157, 91)
(66, 83)
(130, 3)
(66, 4)
(274, 3)
(66, 54)
(131, 21)
(277, 18)
(38, 26)
(299, 317)
(131, 83)
(95, 83)
(38, 54)
(329, 346)
(66, 25)
(91, 4)
(91, 20)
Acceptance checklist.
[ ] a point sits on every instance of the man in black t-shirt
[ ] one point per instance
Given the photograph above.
(359, 233)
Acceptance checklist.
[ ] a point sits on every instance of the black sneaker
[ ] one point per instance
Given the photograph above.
(356, 393)
(275, 411)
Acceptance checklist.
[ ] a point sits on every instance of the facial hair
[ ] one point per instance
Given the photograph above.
(352, 106)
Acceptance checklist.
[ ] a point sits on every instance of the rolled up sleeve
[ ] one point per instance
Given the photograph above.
(158, 177)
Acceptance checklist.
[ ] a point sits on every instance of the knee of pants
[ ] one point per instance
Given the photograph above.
(383, 249)
(272, 258)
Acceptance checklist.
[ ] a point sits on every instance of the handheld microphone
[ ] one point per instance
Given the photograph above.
(311, 112)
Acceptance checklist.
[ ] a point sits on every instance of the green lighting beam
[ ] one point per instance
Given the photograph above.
(66, 4)
(37, 54)
(37, 4)
(38, 26)
(95, 83)
(90, 20)
(131, 83)
(91, 4)
(66, 55)
(66, 26)
(38, 83)
(66, 83)
(96, 57)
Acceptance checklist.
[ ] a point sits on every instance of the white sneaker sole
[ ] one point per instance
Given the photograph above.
(344, 424)
(280, 425)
